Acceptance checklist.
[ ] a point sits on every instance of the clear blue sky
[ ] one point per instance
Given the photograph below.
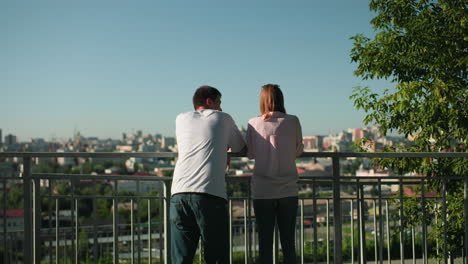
(107, 67)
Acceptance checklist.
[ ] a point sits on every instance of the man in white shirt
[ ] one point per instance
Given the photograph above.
(199, 199)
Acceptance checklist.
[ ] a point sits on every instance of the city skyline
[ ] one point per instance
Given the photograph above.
(108, 67)
(140, 132)
(139, 141)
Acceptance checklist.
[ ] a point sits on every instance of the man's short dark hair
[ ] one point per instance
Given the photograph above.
(204, 92)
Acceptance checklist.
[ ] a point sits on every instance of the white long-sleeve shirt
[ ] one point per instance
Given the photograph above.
(274, 144)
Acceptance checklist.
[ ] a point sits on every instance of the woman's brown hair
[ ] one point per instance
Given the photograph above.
(271, 100)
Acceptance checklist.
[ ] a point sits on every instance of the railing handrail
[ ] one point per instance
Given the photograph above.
(31, 187)
(174, 154)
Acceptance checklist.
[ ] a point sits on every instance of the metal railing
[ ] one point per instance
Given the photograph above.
(367, 218)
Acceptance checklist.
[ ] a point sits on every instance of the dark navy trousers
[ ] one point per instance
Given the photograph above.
(282, 211)
(195, 215)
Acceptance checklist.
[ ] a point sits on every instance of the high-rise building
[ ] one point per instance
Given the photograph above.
(313, 143)
(168, 142)
(10, 139)
(358, 133)
(1, 138)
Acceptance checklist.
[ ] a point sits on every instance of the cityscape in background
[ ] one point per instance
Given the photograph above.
(140, 142)
(368, 138)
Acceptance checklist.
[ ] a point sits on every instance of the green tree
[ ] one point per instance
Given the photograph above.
(168, 173)
(154, 206)
(14, 197)
(421, 46)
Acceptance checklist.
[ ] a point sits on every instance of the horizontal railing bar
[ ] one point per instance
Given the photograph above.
(58, 176)
(174, 154)
(76, 196)
(90, 154)
(65, 197)
(361, 178)
(325, 179)
(61, 176)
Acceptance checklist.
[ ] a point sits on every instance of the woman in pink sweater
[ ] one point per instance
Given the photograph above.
(274, 140)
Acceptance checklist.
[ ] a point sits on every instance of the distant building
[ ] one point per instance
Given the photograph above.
(313, 143)
(357, 133)
(147, 147)
(168, 142)
(1, 138)
(39, 145)
(10, 139)
(157, 137)
(124, 148)
(14, 220)
(63, 161)
(6, 170)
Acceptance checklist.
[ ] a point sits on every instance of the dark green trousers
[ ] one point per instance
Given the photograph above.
(195, 215)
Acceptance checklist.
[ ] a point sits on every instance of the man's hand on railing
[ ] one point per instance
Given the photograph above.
(241, 153)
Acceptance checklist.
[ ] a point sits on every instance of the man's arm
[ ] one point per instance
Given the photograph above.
(235, 142)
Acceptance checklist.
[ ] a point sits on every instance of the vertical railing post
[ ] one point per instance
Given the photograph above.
(314, 205)
(132, 232)
(388, 233)
(167, 231)
(246, 234)
(275, 245)
(161, 222)
(327, 225)
(138, 220)
(444, 219)
(149, 233)
(115, 223)
(57, 239)
(375, 231)
(424, 228)
(381, 227)
(351, 212)
(302, 230)
(37, 221)
(4, 222)
(95, 238)
(466, 221)
(230, 231)
(27, 248)
(402, 224)
(337, 256)
(77, 234)
(49, 213)
(362, 225)
(249, 226)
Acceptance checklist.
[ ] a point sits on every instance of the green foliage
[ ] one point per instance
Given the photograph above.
(168, 173)
(237, 189)
(421, 46)
(14, 197)
(455, 218)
